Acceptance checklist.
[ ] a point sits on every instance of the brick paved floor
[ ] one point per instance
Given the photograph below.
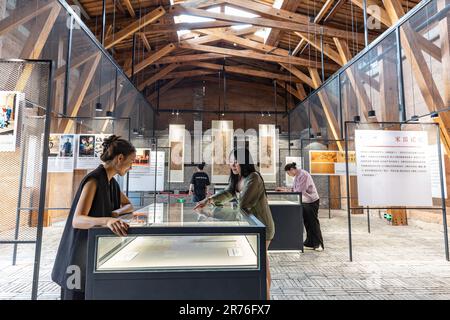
(389, 263)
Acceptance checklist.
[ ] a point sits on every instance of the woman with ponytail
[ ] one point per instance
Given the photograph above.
(97, 203)
(248, 183)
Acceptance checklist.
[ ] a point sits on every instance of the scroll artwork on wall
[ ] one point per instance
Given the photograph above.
(222, 145)
(331, 163)
(176, 144)
(268, 146)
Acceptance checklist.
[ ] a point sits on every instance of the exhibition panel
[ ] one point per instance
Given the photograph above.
(174, 252)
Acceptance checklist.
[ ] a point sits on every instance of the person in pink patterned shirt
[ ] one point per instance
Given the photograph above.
(304, 183)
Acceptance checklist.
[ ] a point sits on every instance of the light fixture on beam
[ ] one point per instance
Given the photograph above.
(98, 107)
(434, 115)
(415, 118)
(371, 114)
(356, 118)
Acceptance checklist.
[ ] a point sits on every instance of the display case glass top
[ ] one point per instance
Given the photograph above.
(184, 215)
(284, 198)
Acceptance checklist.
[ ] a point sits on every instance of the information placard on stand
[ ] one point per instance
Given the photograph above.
(393, 168)
(148, 171)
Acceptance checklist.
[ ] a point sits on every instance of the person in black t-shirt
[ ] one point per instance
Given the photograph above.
(199, 184)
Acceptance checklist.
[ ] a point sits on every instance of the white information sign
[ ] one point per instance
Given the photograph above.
(392, 168)
(148, 171)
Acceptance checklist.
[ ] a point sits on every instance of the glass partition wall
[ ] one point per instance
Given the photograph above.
(402, 75)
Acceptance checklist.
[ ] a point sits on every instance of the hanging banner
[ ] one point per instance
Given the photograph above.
(392, 168)
(9, 117)
(298, 161)
(176, 144)
(331, 163)
(267, 152)
(89, 150)
(433, 164)
(222, 145)
(61, 157)
(148, 171)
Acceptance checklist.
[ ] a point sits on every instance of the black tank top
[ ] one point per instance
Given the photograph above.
(73, 246)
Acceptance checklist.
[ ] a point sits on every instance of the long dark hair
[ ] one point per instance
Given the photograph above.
(244, 158)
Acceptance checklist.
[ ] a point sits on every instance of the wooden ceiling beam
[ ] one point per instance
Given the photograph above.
(334, 10)
(129, 7)
(327, 5)
(191, 57)
(187, 74)
(254, 55)
(242, 70)
(145, 41)
(380, 14)
(152, 59)
(161, 73)
(134, 27)
(264, 22)
(327, 50)
(288, 5)
(19, 17)
(300, 75)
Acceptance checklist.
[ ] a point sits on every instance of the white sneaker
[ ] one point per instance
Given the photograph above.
(319, 248)
(308, 248)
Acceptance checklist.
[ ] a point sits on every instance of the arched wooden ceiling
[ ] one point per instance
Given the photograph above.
(291, 52)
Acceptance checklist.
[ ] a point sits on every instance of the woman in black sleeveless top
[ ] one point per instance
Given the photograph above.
(96, 204)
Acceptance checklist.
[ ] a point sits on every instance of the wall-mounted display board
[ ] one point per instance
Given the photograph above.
(331, 163)
(268, 145)
(222, 145)
(61, 157)
(176, 144)
(392, 168)
(298, 161)
(89, 150)
(10, 102)
(148, 171)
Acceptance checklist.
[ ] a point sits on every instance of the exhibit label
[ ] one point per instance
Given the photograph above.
(148, 171)
(392, 168)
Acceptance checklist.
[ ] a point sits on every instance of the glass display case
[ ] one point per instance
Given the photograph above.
(287, 215)
(212, 253)
(284, 198)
